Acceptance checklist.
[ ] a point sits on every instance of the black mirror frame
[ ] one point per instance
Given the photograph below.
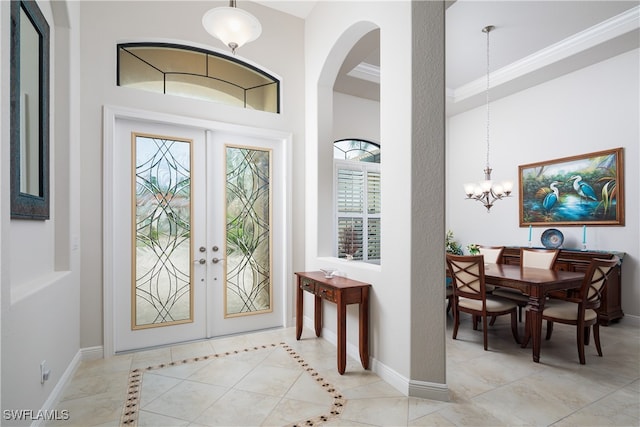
(28, 206)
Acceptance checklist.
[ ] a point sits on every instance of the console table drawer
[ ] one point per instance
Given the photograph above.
(308, 285)
(325, 293)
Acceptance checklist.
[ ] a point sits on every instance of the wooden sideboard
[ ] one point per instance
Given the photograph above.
(576, 260)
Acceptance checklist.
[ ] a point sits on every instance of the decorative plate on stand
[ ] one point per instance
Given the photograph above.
(552, 238)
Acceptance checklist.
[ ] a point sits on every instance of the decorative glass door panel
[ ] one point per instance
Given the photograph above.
(162, 285)
(197, 215)
(248, 287)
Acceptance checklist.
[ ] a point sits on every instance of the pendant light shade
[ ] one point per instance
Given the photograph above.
(233, 26)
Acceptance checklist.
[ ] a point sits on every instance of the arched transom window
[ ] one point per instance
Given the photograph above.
(357, 150)
(196, 73)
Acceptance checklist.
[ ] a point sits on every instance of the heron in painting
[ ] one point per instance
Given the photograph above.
(582, 188)
(551, 198)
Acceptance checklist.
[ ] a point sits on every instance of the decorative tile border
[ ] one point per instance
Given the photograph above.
(132, 403)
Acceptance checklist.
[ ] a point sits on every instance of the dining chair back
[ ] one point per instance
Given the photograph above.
(579, 308)
(470, 295)
(529, 257)
(492, 254)
(538, 258)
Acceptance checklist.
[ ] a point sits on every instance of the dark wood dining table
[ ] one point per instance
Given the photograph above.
(536, 283)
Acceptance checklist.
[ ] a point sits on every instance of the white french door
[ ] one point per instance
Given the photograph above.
(198, 218)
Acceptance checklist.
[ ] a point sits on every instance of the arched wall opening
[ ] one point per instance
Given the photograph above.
(326, 132)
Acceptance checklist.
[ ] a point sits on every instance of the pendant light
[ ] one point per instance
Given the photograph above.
(486, 191)
(233, 26)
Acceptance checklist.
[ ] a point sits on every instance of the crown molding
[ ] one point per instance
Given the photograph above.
(365, 71)
(580, 42)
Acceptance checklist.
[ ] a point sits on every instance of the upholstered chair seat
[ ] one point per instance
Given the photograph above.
(567, 310)
(493, 304)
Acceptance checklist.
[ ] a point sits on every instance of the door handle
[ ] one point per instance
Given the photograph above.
(217, 260)
(200, 261)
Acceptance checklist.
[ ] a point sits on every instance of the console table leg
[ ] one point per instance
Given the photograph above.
(317, 315)
(364, 329)
(298, 309)
(342, 336)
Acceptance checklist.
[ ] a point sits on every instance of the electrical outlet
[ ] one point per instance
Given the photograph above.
(44, 372)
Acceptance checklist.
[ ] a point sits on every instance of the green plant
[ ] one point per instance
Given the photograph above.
(451, 246)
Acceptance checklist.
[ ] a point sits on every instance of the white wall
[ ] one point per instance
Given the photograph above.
(392, 282)
(355, 118)
(104, 24)
(40, 275)
(593, 109)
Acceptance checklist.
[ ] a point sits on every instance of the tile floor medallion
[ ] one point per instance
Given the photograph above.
(135, 403)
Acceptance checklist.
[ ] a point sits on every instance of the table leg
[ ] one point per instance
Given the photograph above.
(299, 310)
(342, 334)
(364, 328)
(317, 315)
(535, 315)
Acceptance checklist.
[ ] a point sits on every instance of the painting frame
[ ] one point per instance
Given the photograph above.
(588, 189)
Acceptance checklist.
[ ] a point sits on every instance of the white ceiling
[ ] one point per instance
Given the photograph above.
(533, 41)
(299, 8)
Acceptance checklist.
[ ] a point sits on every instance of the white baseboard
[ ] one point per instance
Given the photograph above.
(56, 394)
(630, 320)
(420, 389)
(90, 353)
(428, 390)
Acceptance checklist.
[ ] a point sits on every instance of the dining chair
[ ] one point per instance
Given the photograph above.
(449, 294)
(470, 295)
(579, 308)
(538, 258)
(492, 254)
(529, 257)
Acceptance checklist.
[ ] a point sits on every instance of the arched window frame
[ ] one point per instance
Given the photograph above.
(122, 49)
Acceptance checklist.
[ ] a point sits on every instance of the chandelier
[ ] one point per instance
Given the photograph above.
(486, 191)
(233, 26)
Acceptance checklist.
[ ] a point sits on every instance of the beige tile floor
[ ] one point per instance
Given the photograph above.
(275, 380)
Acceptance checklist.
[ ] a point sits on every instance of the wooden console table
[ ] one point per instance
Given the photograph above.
(576, 260)
(341, 291)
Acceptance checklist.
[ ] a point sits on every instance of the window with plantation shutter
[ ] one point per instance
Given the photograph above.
(357, 205)
(373, 215)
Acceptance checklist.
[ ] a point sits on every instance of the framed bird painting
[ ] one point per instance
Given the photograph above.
(587, 189)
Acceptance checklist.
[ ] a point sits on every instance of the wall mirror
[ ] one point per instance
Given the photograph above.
(29, 111)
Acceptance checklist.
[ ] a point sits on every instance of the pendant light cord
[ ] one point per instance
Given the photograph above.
(488, 30)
